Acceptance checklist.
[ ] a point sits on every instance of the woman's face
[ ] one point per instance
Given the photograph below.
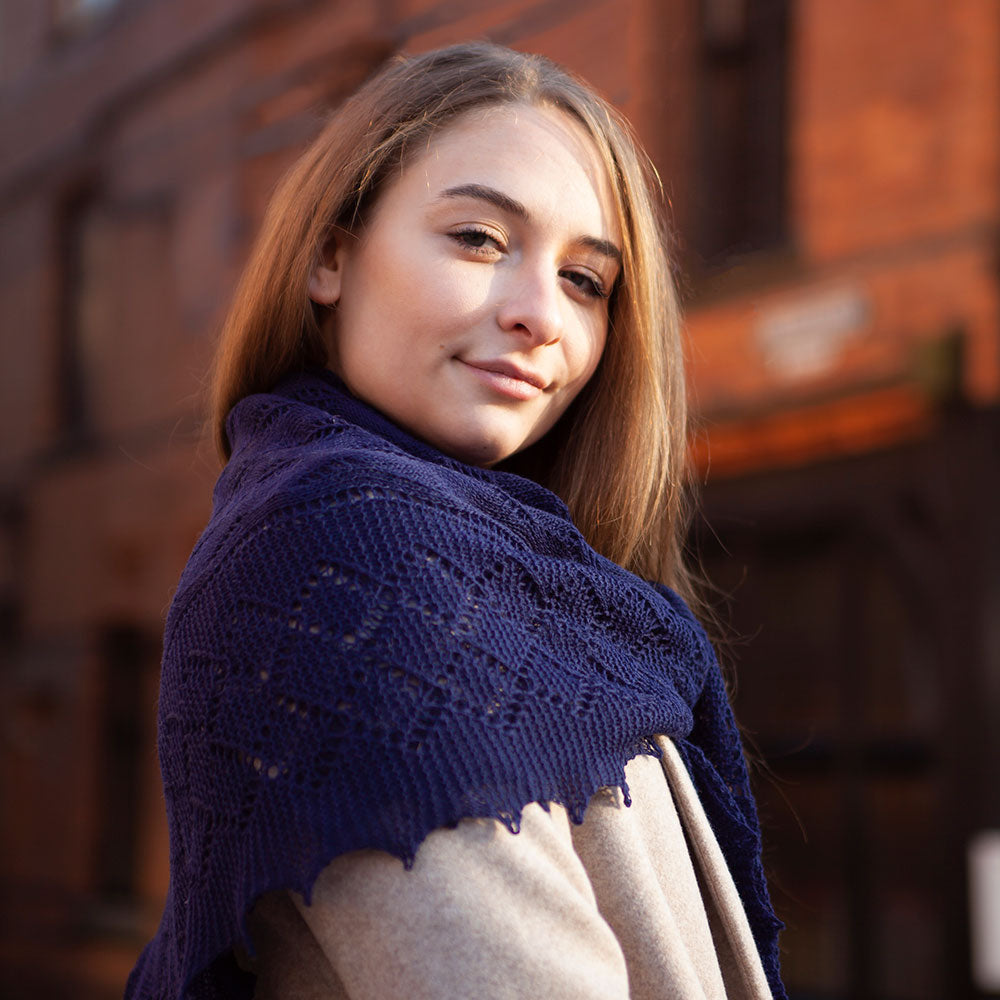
(473, 306)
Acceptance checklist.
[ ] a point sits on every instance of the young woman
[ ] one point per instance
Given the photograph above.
(426, 729)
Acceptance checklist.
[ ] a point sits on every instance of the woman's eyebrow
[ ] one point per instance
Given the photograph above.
(604, 247)
(502, 201)
(507, 204)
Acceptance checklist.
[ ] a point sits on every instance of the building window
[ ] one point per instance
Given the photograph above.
(126, 653)
(77, 225)
(741, 129)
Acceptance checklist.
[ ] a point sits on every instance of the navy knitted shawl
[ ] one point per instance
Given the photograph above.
(372, 640)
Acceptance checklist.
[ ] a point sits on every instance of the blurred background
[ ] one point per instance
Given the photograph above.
(833, 169)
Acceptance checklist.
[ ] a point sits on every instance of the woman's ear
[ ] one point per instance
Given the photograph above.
(325, 281)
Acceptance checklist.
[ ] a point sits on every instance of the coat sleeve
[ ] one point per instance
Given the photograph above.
(483, 912)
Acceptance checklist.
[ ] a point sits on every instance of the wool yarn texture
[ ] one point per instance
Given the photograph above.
(372, 640)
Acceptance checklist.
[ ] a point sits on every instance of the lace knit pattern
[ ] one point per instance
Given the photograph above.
(371, 641)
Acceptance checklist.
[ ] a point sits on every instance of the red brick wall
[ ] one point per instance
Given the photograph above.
(182, 114)
(893, 162)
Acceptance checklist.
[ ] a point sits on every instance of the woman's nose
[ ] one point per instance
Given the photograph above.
(532, 304)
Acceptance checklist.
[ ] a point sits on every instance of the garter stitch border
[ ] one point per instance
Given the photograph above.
(372, 640)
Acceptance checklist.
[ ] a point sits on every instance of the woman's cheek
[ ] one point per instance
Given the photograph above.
(464, 285)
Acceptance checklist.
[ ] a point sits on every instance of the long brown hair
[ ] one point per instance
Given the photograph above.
(618, 458)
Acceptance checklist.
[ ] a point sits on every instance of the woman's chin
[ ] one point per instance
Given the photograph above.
(484, 453)
(476, 437)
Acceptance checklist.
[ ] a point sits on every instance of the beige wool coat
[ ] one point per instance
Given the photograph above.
(633, 904)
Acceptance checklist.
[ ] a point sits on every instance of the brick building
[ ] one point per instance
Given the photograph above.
(834, 175)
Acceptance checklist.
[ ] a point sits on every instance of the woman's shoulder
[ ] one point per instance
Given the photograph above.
(304, 468)
(310, 487)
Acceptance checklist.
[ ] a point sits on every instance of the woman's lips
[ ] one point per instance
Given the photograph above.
(506, 379)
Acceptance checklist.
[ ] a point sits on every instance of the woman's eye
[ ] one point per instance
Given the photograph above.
(590, 287)
(478, 240)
